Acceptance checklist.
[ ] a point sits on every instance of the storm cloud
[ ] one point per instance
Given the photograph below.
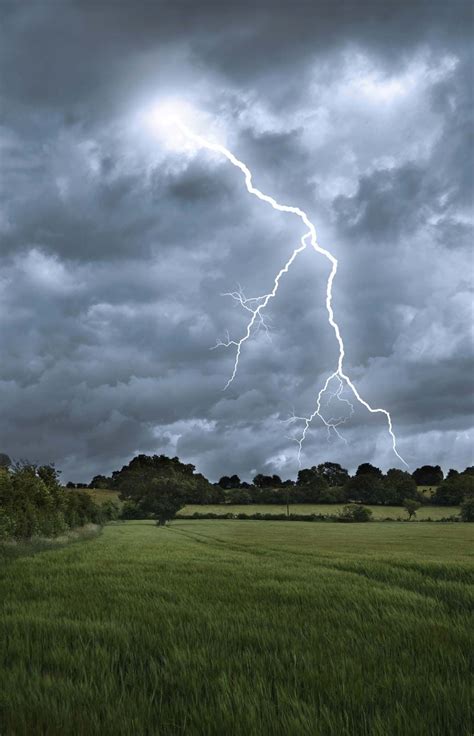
(115, 249)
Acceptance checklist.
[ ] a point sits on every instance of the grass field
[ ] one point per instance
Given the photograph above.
(101, 495)
(252, 628)
(379, 512)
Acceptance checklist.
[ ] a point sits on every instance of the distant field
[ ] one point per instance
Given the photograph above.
(379, 512)
(101, 495)
(427, 490)
(241, 629)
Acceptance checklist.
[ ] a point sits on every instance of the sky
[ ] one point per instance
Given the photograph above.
(118, 240)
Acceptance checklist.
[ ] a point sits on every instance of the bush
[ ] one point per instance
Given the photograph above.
(7, 525)
(354, 513)
(411, 506)
(130, 511)
(467, 509)
(33, 503)
(109, 511)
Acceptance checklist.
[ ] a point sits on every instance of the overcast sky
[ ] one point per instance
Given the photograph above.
(117, 242)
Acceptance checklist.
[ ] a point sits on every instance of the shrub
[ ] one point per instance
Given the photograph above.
(467, 509)
(131, 511)
(354, 513)
(33, 503)
(109, 511)
(7, 525)
(411, 506)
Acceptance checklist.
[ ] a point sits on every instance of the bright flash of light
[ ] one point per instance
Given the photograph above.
(172, 117)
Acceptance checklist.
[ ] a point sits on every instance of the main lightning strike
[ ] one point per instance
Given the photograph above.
(256, 318)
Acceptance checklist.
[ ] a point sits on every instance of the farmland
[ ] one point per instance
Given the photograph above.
(378, 512)
(214, 627)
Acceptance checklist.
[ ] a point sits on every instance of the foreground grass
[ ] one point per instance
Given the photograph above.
(378, 512)
(248, 628)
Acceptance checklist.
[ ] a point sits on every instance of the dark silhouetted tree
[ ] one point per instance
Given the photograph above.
(333, 473)
(306, 475)
(264, 481)
(368, 469)
(399, 486)
(428, 475)
(365, 488)
(144, 469)
(453, 491)
(227, 482)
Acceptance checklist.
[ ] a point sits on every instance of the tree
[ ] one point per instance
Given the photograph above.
(452, 473)
(227, 482)
(467, 509)
(469, 470)
(332, 495)
(306, 475)
(399, 485)
(5, 461)
(310, 486)
(411, 507)
(333, 473)
(100, 481)
(143, 469)
(314, 491)
(365, 488)
(264, 481)
(368, 469)
(158, 498)
(428, 475)
(239, 496)
(452, 491)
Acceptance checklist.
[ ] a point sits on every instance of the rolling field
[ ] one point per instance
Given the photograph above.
(248, 628)
(378, 512)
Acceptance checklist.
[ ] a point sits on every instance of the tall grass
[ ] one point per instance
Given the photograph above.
(221, 628)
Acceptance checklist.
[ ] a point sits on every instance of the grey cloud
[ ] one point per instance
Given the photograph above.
(114, 252)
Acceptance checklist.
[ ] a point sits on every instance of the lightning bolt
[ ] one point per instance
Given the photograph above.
(256, 305)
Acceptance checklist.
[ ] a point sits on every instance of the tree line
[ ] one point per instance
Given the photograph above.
(33, 501)
(324, 483)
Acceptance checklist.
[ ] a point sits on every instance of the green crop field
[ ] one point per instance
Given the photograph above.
(101, 495)
(379, 512)
(241, 628)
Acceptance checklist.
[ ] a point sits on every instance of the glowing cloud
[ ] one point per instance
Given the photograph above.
(172, 116)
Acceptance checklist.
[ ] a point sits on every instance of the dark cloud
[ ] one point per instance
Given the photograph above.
(115, 250)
